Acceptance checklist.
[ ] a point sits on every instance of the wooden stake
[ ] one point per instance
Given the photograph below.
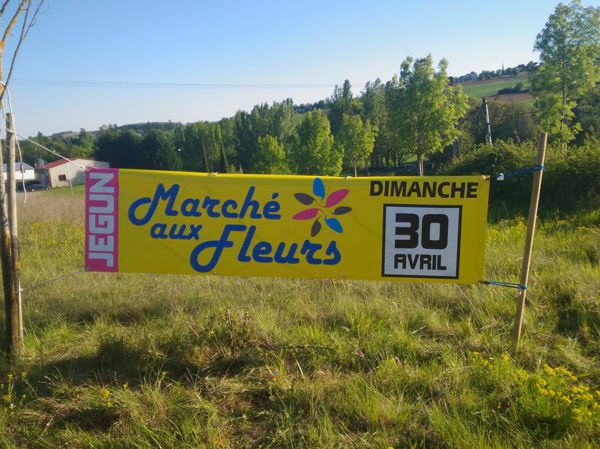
(533, 208)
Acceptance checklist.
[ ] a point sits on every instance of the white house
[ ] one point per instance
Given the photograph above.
(63, 173)
(23, 171)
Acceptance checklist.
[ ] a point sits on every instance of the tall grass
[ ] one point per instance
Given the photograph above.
(145, 361)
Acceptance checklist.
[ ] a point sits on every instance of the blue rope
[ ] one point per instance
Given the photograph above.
(519, 172)
(504, 284)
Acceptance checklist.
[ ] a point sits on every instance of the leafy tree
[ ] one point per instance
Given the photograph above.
(120, 149)
(426, 107)
(81, 145)
(32, 153)
(278, 120)
(569, 47)
(512, 121)
(314, 152)
(357, 139)
(85, 141)
(159, 152)
(508, 121)
(270, 156)
(587, 113)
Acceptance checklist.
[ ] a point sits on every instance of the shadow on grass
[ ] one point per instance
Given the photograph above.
(113, 362)
(90, 419)
(117, 363)
(124, 315)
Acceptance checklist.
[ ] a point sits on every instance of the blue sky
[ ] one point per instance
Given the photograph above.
(244, 42)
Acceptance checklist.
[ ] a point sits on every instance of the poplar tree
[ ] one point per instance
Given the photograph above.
(374, 110)
(341, 103)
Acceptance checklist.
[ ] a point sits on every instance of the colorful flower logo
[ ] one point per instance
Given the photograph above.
(322, 208)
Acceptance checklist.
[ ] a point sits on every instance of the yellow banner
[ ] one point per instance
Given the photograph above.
(386, 228)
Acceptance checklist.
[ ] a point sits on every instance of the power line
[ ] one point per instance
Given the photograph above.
(163, 85)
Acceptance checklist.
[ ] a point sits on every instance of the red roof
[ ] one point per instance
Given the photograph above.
(61, 162)
(54, 164)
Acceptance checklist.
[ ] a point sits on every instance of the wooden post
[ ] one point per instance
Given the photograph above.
(16, 313)
(5, 257)
(488, 128)
(533, 208)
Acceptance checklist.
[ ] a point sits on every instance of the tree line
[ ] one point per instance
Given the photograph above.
(421, 113)
(530, 68)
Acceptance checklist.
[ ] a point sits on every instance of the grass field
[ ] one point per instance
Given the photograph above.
(145, 361)
(488, 88)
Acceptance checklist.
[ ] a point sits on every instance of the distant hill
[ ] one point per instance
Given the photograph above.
(139, 128)
(143, 127)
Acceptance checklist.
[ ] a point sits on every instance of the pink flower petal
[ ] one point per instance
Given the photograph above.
(306, 214)
(336, 197)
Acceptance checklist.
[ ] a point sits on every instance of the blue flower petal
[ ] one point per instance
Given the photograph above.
(334, 224)
(319, 188)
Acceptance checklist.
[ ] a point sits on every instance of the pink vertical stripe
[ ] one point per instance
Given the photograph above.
(102, 219)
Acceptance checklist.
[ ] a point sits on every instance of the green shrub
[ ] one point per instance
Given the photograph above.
(571, 177)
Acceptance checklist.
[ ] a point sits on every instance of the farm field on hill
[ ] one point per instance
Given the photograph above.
(145, 361)
(489, 88)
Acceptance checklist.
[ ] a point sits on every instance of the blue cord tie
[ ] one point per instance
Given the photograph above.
(519, 172)
(504, 284)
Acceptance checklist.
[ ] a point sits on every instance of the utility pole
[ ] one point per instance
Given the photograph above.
(455, 148)
(13, 295)
(486, 116)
